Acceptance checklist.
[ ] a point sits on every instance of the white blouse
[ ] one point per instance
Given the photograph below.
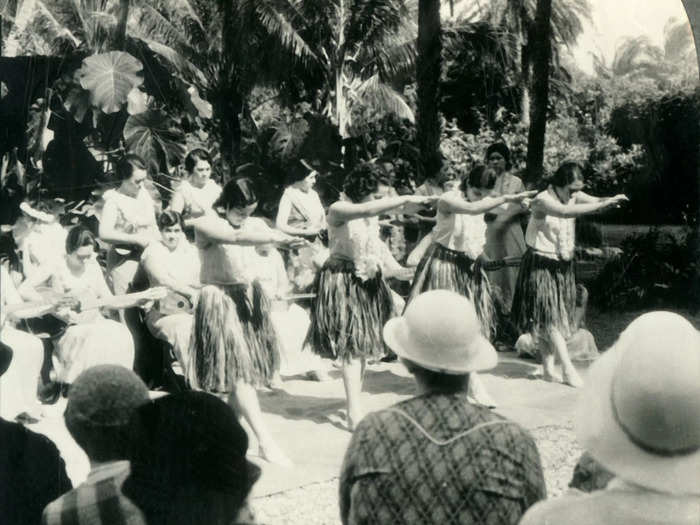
(461, 232)
(549, 235)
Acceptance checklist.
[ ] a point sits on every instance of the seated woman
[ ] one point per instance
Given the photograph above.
(89, 338)
(173, 263)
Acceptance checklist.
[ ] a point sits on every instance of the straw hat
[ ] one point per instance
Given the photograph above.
(640, 413)
(440, 331)
(36, 214)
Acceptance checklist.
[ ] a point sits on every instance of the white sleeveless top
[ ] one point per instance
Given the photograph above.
(548, 235)
(198, 201)
(357, 240)
(461, 232)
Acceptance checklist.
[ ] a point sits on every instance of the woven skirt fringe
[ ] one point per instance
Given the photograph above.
(232, 339)
(445, 269)
(545, 296)
(348, 314)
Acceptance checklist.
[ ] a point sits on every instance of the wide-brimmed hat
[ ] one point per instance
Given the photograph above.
(440, 331)
(639, 414)
(42, 216)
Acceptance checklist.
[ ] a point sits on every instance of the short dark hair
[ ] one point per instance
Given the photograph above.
(363, 180)
(237, 193)
(79, 236)
(448, 383)
(502, 149)
(170, 218)
(124, 169)
(195, 156)
(299, 170)
(566, 173)
(478, 177)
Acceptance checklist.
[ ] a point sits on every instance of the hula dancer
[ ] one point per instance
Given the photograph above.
(545, 295)
(352, 300)
(234, 346)
(454, 260)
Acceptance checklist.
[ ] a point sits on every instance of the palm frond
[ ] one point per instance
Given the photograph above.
(375, 94)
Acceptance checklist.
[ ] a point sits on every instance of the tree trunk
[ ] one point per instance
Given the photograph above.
(428, 69)
(340, 103)
(692, 9)
(541, 46)
(120, 33)
(228, 102)
(523, 62)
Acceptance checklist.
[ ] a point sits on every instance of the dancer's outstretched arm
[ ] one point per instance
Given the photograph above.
(453, 204)
(552, 207)
(343, 211)
(220, 233)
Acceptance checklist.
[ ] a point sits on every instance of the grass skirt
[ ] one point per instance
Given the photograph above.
(545, 296)
(445, 269)
(348, 314)
(232, 339)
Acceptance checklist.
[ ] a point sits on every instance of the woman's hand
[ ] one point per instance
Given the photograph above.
(419, 199)
(290, 241)
(519, 197)
(614, 202)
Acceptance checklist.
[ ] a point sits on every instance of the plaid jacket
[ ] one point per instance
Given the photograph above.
(437, 459)
(97, 501)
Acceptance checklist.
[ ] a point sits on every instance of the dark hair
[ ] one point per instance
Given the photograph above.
(124, 169)
(237, 193)
(363, 180)
(565, 174)
(502, 149)
(479, 177)
(440, 381)
(299, 170)
(195, 156)
(169, 218)
(178, 468)
(79, 236)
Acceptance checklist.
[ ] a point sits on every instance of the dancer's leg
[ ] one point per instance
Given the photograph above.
(245, 399)
(352, 380)
(569, 373)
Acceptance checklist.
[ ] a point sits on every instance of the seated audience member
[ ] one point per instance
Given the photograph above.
(640, 419)
(101, 402)
(40, 238)
(436, 458)
(32, 472)
(174, 263)
(188, 462)
(89, 337)
(18, 387)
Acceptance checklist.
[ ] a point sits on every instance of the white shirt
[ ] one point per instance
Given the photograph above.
(460, 231)
(548, 235)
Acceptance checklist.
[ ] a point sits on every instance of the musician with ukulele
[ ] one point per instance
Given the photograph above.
(127, 222)
(174, 263)
(78, 288)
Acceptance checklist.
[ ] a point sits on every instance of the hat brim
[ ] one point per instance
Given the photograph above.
(482, 354)
(35, 214)
(599, 433)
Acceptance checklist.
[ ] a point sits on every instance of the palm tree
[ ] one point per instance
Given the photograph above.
(428, 74)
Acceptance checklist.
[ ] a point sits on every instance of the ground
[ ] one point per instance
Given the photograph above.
(307, 419)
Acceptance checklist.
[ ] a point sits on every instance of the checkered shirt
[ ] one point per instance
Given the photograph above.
(98, 501)
(437, 459)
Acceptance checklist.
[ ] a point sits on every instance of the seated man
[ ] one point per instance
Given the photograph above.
(436, 458)
(639, 418)
(100, 403)
(32, 472)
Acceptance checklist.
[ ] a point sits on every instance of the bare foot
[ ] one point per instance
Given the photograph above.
(551, 377)
(273, 454)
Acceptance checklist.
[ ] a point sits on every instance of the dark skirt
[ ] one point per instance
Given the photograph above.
(445, 269)
(347, 313)
(545, 296)
(232, 339)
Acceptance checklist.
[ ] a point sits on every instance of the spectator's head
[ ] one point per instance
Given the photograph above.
(478, 182)
(5, 358)
(188, 461)
(81, 246)
(498, 157)
(439, 339)
(131, 172)
(568, 175)
(198, 166)
(640, 414)
(302, 175)
(171, 227)
(237, 201)
(366, 181)
(101, 402)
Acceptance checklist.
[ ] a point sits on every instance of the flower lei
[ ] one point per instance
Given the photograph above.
(364, 236)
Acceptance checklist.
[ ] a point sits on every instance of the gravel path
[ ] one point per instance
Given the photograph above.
(317, 503)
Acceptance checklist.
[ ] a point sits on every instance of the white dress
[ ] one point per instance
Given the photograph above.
(198, 201)
(94, 340)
